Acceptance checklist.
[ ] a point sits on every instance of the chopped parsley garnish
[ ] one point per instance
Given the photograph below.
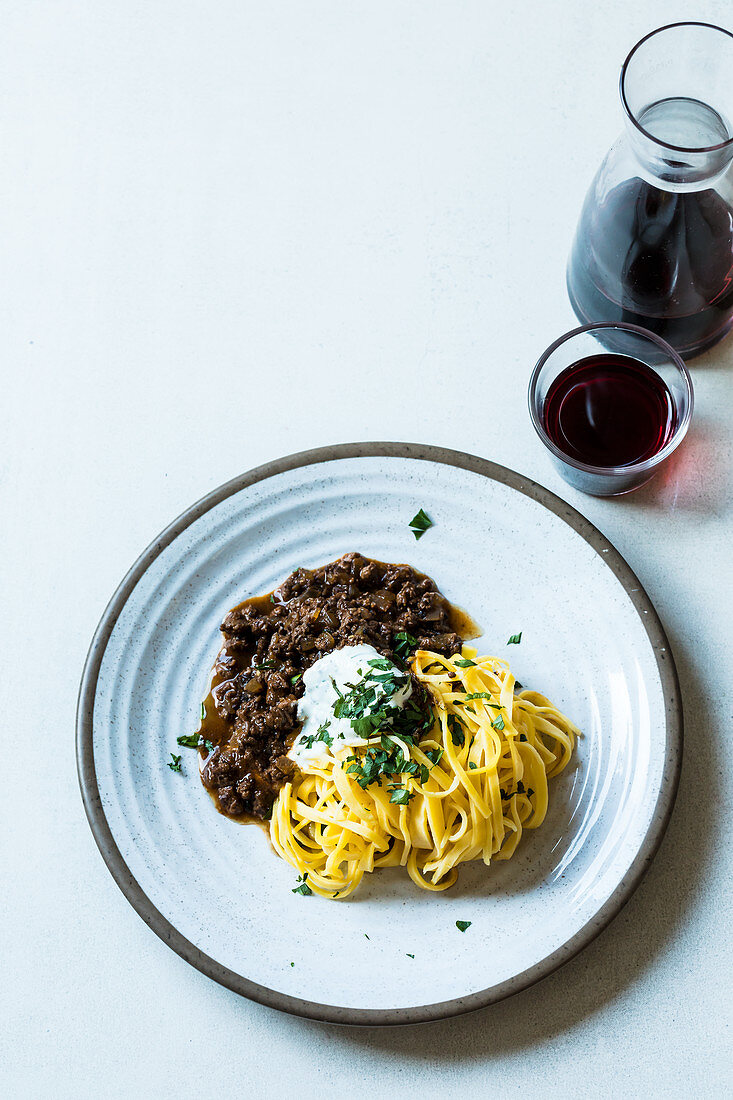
(518, 686)
(434, 755)
(498, 722)
(409, 955)
(455, 727)
(404, 645)
(420, 523)
(320, 735)
(304, 888)
(472, 766)
(477, 695)
(292, 964)
(203, 711)
(195, 741)
(400, 795)
(272, 597)
(174, 763)
(369, 706)
(298, 676)
(264, 664)
(462, 925)
(464, 662)
(515, 639)
(366, 935)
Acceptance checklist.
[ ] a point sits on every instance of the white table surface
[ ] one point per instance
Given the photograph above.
(232, 230)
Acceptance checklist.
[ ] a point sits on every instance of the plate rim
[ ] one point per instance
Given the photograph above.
(335, 1014)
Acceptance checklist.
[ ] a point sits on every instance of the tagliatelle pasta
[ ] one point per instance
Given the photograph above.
(474, 782)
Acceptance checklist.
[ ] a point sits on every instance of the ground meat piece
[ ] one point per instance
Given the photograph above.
(285, 766)
(229, 800)
(227, 697)
(406, 596)
(370, 573)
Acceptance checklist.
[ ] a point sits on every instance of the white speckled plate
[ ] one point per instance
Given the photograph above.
(517, 558)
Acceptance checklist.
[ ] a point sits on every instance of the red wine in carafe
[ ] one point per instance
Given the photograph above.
(609, 410)
(660, 260)
(656, 253)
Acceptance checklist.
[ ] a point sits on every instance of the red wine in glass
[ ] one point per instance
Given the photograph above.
(609, 410)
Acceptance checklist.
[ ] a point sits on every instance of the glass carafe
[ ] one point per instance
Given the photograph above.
(654, 244)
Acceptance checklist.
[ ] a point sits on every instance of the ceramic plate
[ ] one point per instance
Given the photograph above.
(514, 556)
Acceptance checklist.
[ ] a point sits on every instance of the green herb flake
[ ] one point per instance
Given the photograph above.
(498, 723)
(420, 523)
(366, 935)
(203, 712)
(455, 727)
(272, 597)
(304, 888)
(409, 955)
(321, 734)
(515, 639)
(400, 796)
(174, 763)
(464, 662)
(380, 663)
(434, 755)
(472, 766)
(462, 925)
(404, 644)
(292, 964)
(298, 676)
(195, 741)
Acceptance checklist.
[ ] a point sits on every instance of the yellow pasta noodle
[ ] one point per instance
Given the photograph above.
(482, 779)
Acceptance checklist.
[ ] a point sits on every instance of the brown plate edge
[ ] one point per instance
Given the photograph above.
(422, 1013)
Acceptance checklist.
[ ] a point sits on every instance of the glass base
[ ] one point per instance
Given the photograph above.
(602, 485)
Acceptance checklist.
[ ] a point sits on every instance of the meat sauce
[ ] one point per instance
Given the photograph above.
(250, 713)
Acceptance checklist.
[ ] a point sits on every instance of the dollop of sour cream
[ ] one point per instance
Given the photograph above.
(340, 669)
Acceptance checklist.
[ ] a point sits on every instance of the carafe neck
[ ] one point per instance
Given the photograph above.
(680, 144)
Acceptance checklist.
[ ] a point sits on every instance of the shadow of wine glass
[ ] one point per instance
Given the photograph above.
(694, 480)
(619, 958)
